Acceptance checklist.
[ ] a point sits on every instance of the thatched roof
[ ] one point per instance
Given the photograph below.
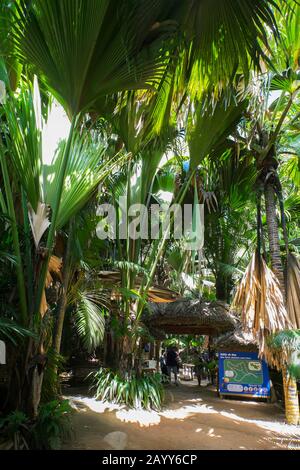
(156, 293)
(190, 317)
(235, 341)
(156, 333)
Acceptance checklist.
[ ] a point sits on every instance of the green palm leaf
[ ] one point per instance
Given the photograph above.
(211, 127)
(89, 320)
(86, 167)
(227, 36)
(86, 49)
(10, 330)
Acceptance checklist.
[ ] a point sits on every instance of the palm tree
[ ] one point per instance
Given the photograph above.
(229, 233)
(23, 143)
(86, 50)
(272, 127)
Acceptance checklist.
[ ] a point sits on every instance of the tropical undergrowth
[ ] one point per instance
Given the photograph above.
(47, 432)
(135, 392)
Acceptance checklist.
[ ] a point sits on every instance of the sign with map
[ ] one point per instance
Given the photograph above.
(243, 374)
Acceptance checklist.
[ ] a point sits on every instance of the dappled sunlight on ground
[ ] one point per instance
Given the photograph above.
(81, 403)
(141, 417)
(188, 410)
(274, 426)
(204, 421)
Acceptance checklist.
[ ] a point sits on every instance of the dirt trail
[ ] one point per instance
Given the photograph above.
(192, 418)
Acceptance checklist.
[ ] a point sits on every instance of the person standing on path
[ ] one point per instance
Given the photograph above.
(172, 363)
(198, 368)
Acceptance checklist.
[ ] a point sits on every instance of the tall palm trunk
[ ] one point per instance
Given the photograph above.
(273, 234)
(289, 384)
(290, 397)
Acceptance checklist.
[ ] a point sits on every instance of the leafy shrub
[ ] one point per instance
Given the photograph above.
(14, 431)
(46, 432)
(52, 425)
(135, 392)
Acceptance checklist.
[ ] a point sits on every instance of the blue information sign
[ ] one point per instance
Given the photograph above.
(243, 373)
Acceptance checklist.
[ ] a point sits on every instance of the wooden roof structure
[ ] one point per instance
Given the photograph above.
(235, 341)
(112, 280)
(190, 317)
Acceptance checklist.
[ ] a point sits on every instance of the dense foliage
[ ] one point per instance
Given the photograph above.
(166, 103)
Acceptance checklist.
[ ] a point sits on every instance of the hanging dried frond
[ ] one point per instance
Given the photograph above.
(39, 221)
(260, 300)
(293, 290)
(54, 267)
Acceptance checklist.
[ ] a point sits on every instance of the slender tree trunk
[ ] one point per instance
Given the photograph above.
(63, 298)
(152, 350)
(273, 234)
(157, 354)
(289, 384)
(125, 356)
(221, 293)
(224, 285)
(105, 349)
(291, 400)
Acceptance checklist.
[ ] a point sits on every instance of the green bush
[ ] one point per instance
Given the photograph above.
(14, 431)
(48, 431)
(135, 392)
(52, 425)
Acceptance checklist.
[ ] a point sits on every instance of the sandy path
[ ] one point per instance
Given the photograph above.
(191, 419)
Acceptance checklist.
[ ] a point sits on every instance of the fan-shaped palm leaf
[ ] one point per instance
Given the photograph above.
(211, 127)
(89, 48)
(89, 319)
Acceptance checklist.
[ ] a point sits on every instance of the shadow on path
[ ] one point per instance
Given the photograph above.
(192, 418)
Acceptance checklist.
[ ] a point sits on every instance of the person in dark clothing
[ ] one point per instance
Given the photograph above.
(163, 366)
(198, 368)
(172, 363)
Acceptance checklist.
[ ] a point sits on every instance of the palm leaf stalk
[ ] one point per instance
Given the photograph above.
(63, 297)
(28, 256)
(159, 246)
(2, 203)
(15, 237)
(53, 227)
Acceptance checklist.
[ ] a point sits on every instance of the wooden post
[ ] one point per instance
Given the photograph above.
(157, 353)
(152, 350)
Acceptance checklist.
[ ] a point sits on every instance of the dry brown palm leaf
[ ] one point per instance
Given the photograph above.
(293, 290)
(39, 221)
(54, 267)
(260, 301)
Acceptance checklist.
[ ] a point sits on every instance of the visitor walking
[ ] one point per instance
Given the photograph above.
(172, 364)
(162, 362)
(198, 369)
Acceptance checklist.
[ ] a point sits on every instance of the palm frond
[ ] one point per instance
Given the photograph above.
(11, 331)
(86, 49)
(211, 127)
(89, 319)
(226, 37)
(284, 348)
(260, 301)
